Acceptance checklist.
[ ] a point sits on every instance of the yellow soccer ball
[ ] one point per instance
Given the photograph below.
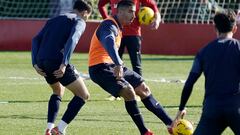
(145, 15)
(183, 127)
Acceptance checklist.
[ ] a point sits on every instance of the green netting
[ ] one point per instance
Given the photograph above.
(172, 11)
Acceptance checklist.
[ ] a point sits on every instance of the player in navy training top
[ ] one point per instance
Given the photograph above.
(107, 70)
(220, 63)
(51, 52)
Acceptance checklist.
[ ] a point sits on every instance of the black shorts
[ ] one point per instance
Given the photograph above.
(49, 67)
(103, 75)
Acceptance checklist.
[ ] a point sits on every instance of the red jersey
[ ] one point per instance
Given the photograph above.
(134, 28)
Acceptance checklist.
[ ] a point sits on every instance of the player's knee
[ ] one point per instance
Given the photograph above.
(85, 96)
(143, 90)
(128, 93)
(59, 93)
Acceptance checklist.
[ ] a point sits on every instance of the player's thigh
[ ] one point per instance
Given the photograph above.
(143, 91)
(79, 88)
(103, 75)
(69, 76)
(132, 77)
(210, 124)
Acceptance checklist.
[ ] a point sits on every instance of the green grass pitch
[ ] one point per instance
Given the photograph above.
(24, 97)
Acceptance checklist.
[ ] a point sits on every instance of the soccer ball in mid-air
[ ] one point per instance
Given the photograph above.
(145, 15)
(183, 127)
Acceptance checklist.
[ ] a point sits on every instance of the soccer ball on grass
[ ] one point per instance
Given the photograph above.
(183, 127)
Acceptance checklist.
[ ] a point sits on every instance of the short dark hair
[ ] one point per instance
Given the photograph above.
(225, 21)
(125, 3)
(82, 5)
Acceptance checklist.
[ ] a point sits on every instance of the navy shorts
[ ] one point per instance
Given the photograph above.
(218, 114)
(103, 75)
(49, 67)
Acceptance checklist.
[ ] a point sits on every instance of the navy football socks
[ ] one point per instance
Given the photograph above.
(53, 107)
(73, 108)
(152, 105)
(133, 111)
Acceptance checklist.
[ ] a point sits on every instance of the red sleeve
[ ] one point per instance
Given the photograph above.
(102, 9)
(150, 3)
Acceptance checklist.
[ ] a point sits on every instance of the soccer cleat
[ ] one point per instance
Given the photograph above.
(55, 131)
(149, 133)
(48, 132)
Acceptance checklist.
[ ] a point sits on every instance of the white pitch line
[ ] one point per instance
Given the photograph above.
(163, 80)
(86, 77)
(3, 102)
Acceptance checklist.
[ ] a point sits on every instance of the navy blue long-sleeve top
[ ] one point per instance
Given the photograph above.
(58, 39)
(106, 33)
(220, 63)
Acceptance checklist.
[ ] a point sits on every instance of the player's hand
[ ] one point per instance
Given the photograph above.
(118, 72)
(60, 72)
(39, 70)
(156, 22)
(179, 115)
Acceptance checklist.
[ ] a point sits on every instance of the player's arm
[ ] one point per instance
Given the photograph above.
(157, 17)
(193, 76)
(76, 33)
(69, 47)
(36, 41)
(106, 34)
(102, 9)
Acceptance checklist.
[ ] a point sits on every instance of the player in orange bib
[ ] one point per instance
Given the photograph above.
(107, 70)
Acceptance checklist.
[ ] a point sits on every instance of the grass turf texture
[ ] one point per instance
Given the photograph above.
(24, 97)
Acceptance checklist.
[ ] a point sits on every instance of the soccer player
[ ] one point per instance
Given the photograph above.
(107, 70)
(132, 33)
(51, 52)
(220, 63)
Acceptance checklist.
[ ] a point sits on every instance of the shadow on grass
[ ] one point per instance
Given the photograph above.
(20, 117)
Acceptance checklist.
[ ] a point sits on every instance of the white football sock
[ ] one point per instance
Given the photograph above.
(62, 126)
(50, 126)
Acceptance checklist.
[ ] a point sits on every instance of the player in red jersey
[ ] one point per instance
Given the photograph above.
(132, 33)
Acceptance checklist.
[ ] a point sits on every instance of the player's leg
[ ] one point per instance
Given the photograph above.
(103, 75)
(58, 91)
(148, 100)
(235, 122)
(233, 114)
(53, 105)
(152, 104)
(133, 44)
(212, 122)
(131, 106)
(76, 85)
